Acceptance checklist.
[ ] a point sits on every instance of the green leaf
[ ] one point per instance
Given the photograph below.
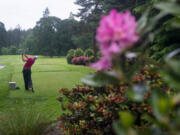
(152, 22)
(161, 106)
(172, 79)
(92, 108)
(99, 119)
(101, 79)
(169, 7)
(171, 73)
(142, 22)
(176, 99)
(138, 92)
(126, 118)
(120, 130)
(174, 22)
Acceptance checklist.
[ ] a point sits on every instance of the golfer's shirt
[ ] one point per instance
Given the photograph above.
(29, 63)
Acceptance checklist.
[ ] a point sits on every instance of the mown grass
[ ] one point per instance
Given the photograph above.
(48, 75)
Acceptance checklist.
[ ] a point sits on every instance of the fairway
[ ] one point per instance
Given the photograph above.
(48, 75)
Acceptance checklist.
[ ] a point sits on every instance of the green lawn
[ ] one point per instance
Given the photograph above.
(48, 75)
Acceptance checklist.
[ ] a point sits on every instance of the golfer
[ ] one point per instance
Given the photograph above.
(27, 71)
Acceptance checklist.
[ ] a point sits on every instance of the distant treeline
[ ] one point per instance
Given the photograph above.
(52, 36)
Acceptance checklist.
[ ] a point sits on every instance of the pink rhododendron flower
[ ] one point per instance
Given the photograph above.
(103, 63)
(117, 27)
(109, 50)
(116, 32)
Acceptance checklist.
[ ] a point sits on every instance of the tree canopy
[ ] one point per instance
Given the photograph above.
(53, 36)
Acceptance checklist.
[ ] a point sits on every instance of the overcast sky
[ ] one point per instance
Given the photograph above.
(27, 12)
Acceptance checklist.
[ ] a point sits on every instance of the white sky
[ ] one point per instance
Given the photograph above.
(27, 12)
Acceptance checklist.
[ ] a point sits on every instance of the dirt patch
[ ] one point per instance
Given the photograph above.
(54, 129)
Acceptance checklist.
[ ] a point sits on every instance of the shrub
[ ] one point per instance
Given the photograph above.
(78, 52)
(19, 51)
(98, 55)
(5, 51)
(70, 56)
(13, 50)
(92, 110)
(82, 60)
(75, 53)
(71, 51)
(89, 53)
(145, 102)
(91, 59)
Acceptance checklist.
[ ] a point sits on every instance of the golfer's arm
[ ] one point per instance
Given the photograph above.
(25, 55)
(23, 59)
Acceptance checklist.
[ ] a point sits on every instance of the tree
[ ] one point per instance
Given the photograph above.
(3, 36)
(51, 36)
(90, 13)
(66, 30)
(16, 36)
(29, 44)
(121, 5)
(46, 12)
(166, 38)
(44, 32)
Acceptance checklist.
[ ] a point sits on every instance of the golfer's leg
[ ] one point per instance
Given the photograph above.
(30, 81)
(25, 75)
(29, 78)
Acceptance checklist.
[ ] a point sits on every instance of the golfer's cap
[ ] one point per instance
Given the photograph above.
(35, 57)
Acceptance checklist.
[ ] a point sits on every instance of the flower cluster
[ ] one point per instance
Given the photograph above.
(82, 60)
(116, 32)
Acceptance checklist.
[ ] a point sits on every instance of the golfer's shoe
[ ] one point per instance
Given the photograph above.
(31, 89)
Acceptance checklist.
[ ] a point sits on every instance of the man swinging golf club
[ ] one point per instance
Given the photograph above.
(27, 71)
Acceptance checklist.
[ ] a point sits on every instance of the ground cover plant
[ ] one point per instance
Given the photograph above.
(48, 75)
(129, 86)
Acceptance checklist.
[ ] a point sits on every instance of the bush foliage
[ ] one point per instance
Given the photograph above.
(78, 52)
(89, 53)
(12, 50)
(92, 110)
(80, 57)
(82, 60)
(70, 56)
(130, 94)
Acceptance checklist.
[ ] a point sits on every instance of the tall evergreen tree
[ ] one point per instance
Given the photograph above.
(3, 36)
(89, 14)
(46, 12)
